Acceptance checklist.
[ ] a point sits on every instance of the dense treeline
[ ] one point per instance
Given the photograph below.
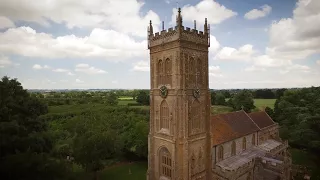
(298, 113)
(36, 144)
(89, 130)
(26, 144)
(100, 135)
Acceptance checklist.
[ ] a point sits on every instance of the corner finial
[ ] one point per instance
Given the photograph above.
(179, 18)
(150, 28)
(162, 25)
(195, 25)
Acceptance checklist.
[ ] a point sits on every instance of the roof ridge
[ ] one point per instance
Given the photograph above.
(253, 121)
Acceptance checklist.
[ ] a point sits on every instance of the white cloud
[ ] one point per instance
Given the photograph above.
(297, 37)
(59, 70)
(213, 11)
(318, 62)
(114, 82)
(4, 61)
(106, 44)
(79, 81)
(5, 23)
(267, 61)
(214, 71)
(214, 44)
(70, 74)
(141, 66)
(123, 16)
(254, 69)
(37, 66)
(256, 13)
(85, 68)
(296, 67)
(244, 53)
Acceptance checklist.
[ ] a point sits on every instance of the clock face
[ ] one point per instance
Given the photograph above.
(196, 93)
(163, 91)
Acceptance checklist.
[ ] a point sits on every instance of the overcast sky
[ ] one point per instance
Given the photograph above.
(102, 43)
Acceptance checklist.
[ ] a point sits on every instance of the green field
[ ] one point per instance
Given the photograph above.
(220, 109)
(262, 103)
(125, 98)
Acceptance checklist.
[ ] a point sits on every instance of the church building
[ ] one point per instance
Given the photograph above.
(185, 141)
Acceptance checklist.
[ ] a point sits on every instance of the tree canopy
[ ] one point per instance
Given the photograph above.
(25, 143)
(242, 100)
(298, 112)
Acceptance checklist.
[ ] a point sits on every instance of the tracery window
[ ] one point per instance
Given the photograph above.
(160, 72)
(164, 115)
(253, 139)
(220, 153)
(165, 163)
(233, 148)
(168, 71)
(244, 143)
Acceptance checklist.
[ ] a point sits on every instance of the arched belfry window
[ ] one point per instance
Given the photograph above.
(164, 115)
(192, 70)
(165, 163)
(195, 115)
(233, 148)
(199, 72)
(220, 153)
(168, 71)
(244, 143)
(160, 72)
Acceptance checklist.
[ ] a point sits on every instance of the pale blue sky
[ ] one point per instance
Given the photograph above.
(102, 44)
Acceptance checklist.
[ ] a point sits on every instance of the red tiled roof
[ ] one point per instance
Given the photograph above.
(262, 119)
(229, 126)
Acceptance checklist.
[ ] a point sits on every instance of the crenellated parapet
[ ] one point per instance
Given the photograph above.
(179, 33)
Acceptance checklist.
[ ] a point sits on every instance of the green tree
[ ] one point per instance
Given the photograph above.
(213, 98)
(243, 100)
(220, 99)
(270, 112)
(25, 143)
(112, 99)
(298, 113)
(143, 98)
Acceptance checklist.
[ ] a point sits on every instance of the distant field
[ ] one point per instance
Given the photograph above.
(262, 103)
(220, 109)
(125, 98)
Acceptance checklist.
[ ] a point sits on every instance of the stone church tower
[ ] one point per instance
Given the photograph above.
(179, 137)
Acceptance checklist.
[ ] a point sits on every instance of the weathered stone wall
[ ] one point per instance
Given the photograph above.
(271, 132)
(227, 146)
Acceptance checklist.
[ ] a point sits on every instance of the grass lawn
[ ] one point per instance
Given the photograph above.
(119, 172)
(262, 103)
(138, 172)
